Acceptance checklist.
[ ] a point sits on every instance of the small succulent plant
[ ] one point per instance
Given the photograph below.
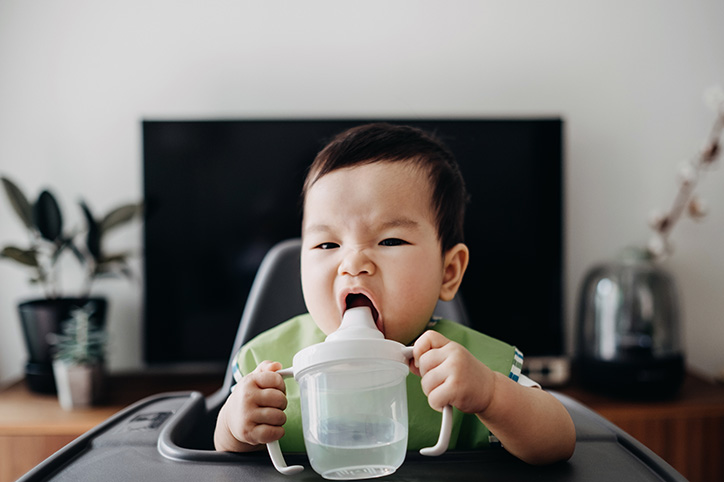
(49, 240)
(81, 341)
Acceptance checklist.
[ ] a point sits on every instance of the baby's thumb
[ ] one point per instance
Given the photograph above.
(269, 366)
(413, 368)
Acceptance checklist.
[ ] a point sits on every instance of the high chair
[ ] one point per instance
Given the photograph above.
(169, 437)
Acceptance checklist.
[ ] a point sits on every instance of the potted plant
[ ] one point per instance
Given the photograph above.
(79, 359)
(49, 243)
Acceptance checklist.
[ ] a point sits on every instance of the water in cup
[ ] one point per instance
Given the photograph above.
(357, 447)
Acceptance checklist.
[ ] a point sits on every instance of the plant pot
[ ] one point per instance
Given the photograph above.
(40, 318)
(79, 386)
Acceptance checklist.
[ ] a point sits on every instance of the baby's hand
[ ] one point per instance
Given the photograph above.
(451, 375)
(254, 412)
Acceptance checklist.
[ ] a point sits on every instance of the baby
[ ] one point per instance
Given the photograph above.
(383, 227)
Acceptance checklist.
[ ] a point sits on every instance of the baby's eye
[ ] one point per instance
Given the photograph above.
(327, 246)
(393, 242)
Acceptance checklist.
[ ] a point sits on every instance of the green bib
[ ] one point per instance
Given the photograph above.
(282, 342)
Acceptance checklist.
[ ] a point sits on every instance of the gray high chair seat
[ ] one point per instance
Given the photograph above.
(169, 437)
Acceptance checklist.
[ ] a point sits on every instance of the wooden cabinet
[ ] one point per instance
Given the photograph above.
(33, 426)
(687, 432)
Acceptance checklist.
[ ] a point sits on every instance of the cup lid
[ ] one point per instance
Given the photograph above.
(356, 338)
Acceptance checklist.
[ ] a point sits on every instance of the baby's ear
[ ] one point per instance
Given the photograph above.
(455, 264)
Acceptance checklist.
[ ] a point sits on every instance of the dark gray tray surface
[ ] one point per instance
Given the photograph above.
(146, 442)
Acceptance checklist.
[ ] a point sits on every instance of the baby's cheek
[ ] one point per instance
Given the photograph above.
(407, 331)
(325, 322)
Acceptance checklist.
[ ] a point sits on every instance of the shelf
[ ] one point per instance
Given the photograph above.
(33, 426)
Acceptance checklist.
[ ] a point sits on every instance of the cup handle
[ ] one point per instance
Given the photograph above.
(444, 439)
(278, 459)
(275, 452)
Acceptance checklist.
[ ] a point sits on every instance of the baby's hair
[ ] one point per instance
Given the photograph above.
(383, 142)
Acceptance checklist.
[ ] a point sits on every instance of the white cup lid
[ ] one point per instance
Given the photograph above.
(356, 338)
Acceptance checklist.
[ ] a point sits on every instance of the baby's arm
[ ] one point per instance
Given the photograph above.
(253, 414)
(530, 423)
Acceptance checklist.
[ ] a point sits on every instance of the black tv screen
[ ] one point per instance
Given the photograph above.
(220, 193)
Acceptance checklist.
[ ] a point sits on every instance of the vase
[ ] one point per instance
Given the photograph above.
(79, 385)
(629, 333)
(39, 320)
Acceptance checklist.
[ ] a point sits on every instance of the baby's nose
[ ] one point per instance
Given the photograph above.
(355, 263)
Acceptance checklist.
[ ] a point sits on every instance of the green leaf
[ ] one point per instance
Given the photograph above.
(23, 256)
(120, 215)
(114, 266)
(19, 202)
(47, 217)
(93, 239)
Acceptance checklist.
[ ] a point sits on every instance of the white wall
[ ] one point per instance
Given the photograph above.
(76, 77)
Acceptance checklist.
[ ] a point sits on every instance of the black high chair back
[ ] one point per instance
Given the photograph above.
(169, 437)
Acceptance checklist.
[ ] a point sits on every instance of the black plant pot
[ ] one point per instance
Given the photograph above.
(42, 317)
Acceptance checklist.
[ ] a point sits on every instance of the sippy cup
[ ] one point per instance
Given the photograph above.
(354, 403)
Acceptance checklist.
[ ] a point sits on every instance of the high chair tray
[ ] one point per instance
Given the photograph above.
(167, 437)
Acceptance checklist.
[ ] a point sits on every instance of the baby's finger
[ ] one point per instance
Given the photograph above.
(430, 360)
(263, 425)
(263, 434)
(268, 366)
(269, 416)
(270, 380)
(432, 379)
(270, 397)
(428, 341)
(413, 367)
(439, 397)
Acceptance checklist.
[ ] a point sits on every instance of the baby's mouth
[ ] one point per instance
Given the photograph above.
(355, 300)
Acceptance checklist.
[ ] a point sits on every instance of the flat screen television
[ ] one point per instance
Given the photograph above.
(220, 193)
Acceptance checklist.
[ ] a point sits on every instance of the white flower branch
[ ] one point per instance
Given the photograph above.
(691, 172)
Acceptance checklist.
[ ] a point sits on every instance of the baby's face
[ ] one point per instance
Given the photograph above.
(369, 237)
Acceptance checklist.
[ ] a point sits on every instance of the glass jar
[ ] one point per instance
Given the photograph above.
(629, 333)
